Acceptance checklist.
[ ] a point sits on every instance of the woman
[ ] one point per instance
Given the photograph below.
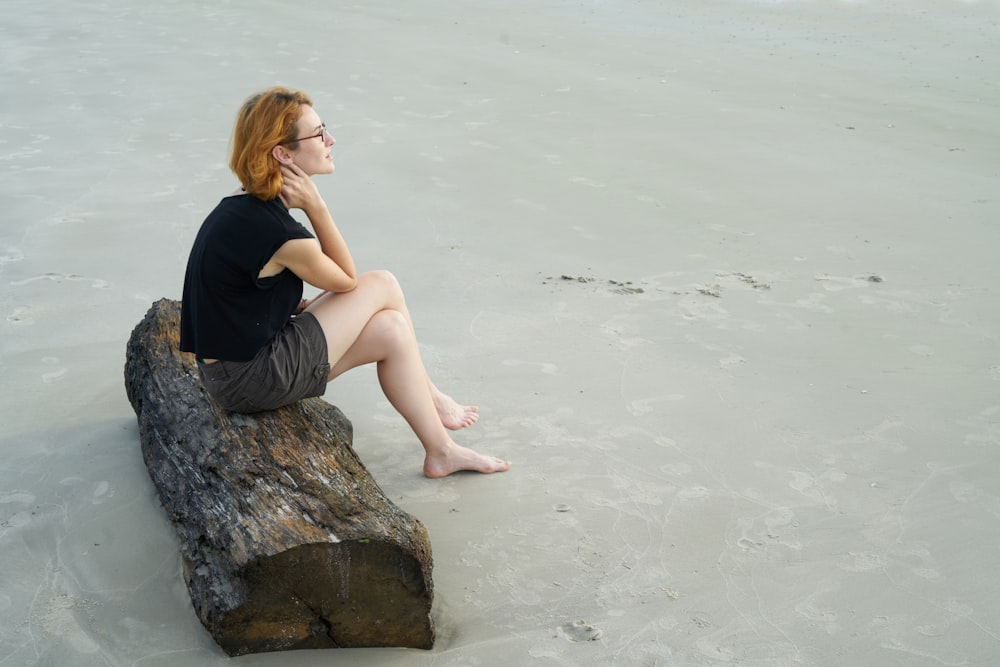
(259, 345)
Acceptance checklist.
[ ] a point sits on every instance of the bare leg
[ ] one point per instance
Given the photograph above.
(453, 414)
(371, 324)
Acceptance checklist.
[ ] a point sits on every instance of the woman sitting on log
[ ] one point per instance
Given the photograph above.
(259, 345)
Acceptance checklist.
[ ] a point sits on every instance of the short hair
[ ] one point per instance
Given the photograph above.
(267, 119)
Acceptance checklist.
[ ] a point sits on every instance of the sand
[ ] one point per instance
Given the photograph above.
(720, 274)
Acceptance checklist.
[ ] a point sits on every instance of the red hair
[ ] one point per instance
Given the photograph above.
(265, 120)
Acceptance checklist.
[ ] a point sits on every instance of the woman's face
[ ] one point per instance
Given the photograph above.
(312, 151)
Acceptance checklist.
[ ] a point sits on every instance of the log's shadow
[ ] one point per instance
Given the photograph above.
(286, 539)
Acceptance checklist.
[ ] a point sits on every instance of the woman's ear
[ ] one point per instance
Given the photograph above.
(281, 154)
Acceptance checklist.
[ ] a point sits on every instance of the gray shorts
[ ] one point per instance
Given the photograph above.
(291, 367)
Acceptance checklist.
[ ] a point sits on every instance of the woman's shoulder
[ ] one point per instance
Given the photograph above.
(243, 211)
(240, 205)
(240, 199)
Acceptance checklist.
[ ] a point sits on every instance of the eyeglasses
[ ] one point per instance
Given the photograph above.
(322, 134)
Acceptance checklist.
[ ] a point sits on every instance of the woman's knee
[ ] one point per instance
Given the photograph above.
(385, 284)
(392, 327)
(384, 336)
(381, 279)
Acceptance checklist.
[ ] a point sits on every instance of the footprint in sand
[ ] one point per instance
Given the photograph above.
(57, 373)
(861, 561)
(68, 617)
(837, 283)
(20, 315)
(543, 366)
(9, 254)
(589, 182)
(580, 631)
(642, 406)
(102, 492)
(731, 360)
(725, 229)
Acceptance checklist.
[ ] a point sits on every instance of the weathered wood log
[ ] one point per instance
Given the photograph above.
(287, 541)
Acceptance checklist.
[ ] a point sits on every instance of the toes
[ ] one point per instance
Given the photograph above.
(500, 465)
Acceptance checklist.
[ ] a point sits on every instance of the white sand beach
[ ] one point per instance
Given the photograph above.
(722, 276)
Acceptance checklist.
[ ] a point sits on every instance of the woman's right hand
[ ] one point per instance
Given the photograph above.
(298, 190)
(327, 265)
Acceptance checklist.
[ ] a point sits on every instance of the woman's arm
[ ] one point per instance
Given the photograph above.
(327, 265)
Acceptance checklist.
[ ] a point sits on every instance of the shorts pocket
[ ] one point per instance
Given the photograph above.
(261, 391)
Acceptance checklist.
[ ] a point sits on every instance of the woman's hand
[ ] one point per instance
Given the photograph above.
(305, 303)
(298, 190)
(328, 264)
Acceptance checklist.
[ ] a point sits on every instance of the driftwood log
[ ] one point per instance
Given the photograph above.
(287, 542)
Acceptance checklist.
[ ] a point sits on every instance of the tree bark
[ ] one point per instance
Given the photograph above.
(287, 541)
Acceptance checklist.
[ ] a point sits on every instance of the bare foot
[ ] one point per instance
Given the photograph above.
(453, 415)
(461, 458)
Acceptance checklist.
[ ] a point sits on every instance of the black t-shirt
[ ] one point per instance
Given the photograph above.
(227, 312)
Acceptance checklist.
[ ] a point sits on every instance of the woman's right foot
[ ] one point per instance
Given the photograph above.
(462, 458)
(454, 416)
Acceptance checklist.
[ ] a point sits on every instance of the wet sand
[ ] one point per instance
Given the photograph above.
(720, 275)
